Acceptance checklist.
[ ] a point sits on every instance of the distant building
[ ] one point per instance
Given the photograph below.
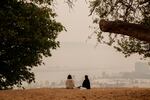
(142, 68)
(142, 71)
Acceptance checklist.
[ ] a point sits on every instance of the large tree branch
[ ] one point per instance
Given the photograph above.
(138, 31)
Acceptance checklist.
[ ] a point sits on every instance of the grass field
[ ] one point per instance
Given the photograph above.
(77, 94)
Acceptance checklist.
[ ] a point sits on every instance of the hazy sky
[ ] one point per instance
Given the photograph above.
(76, 21)
(75, 53)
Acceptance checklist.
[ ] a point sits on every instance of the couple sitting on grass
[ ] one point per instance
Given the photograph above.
(70, 83)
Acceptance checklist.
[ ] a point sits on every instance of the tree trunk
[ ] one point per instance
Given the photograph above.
(138, 31)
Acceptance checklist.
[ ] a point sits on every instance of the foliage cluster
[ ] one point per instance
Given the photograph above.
(28, 31)
(132, 11)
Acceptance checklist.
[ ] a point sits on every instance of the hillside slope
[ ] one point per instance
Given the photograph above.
(77, 94)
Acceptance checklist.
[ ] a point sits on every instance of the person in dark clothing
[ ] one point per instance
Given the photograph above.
(86, 83)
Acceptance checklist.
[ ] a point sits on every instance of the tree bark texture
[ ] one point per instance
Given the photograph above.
(138, 31)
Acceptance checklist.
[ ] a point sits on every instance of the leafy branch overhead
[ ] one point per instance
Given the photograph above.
(28, 31)
(130, 18)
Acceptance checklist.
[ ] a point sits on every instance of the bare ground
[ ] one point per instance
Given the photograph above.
(77, 94)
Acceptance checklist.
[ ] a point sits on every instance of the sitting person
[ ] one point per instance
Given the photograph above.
(69, 82)
(86, 83)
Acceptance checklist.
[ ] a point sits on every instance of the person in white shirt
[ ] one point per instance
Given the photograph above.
(70, 82)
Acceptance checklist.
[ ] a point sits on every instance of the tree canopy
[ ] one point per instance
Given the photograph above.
(28, 31)
(130, 18)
